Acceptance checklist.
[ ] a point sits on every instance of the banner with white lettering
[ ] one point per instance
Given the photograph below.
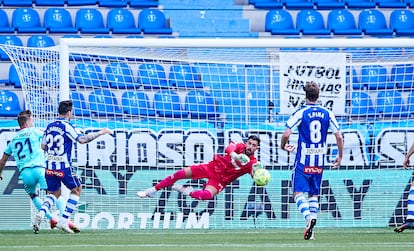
(326, 69)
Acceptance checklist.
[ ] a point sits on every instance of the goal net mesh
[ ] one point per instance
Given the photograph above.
(172, 107)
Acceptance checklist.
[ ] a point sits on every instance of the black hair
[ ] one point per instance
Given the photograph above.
(312, 91)
(256, 138)
(65, 106)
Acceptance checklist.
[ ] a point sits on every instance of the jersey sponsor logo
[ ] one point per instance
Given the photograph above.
(312, 170)
(314, 151)
(56, 158)
(55, 173)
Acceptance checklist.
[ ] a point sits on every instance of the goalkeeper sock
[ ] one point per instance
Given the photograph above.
(410, 205)
(303, 205)
(201, 195)
(170, 180)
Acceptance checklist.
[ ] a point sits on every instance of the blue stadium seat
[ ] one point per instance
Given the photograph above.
(391, 4)
(184, 75)
(20, 3)
(361, 104)
(402, 75)
(4, 23)
(40, 100)
(58, 20)
(329, 4)
(113, 3)
(9, 40)
(153, 21)
(375, 77)
(50, 2)
(14, 78)
(121, 21)
(27, 20)
(9, 104)
(81, 2)
(103, 102)
(89, 74)
(232, 104)
(298, 4)
(143, 3)
(29, 74)
(373, 22)
(90, 21)
(80, 107)
(268, 4)
(152, 76)
(410, 102)
(311, 22)
(137, 103)
(200, 105)
(391, 104)
(51, 74)
(40, 41)
(119, 75)
(280, 22)
(402, 22)
(360, 4)
(342, 22)
(167, 104)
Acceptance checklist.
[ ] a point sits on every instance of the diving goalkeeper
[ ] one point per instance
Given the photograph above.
(220, 172)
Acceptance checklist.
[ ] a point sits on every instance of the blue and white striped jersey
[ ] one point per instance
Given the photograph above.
(313, 122)
(59, 137)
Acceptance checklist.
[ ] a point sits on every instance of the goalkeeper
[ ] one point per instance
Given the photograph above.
(220, 172)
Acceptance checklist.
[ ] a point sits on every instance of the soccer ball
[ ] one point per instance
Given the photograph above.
(261, 177)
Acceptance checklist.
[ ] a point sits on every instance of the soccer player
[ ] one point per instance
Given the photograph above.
(238, 160)
(58, 140)
(409, 221)
(313, 122)
(30, 161)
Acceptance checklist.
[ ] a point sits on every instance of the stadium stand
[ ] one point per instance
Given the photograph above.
(373, 22)
(391, 3)
(80, 107)
(40, 40)
(280, 22)
(402, 75)
(10, 40)
(200, 105)
(113, 3)
(167, 104)
(311, 22)
(103, 102)
(153, 21)
(390, 103)
(89, 75)
(27, 20)
(152, 76)
(119, 75)
(49, 2)
(402, 22)
(362, 105)
(90, 21)
(184, 76)
(342, 22)
(19, 3)
(375, 77)
(58, 20)
(298, 4)
(9, 103)
(329, 4)
(137, 103)
(4, 23)
(121, 21)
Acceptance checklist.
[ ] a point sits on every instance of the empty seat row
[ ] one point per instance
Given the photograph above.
(340, 22)
(101, 3)
(87, 20)
(330, 4)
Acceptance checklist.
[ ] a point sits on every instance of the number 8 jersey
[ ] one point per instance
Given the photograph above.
(59, 137)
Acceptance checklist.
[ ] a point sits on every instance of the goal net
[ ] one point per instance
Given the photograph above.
(172, 103)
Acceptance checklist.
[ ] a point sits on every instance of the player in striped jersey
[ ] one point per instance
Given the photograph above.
(409, 221)
(313, 122)
(58, 140)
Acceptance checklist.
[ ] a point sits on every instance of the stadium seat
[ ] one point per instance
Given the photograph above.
(103, 102)
(40, 100)
(4, 23)
(80, 107)
(361, 104)
(14, 78)
(200, 105)
(9, 104)
(329, 4)
(391, 4)
(113, 3)
(184, 75)
(137, 103)
(81, 2)
(391, 104)
(402, 22)
(268, 4)
(298, 4)
(360, 4)
(342, 22)
(29, 74)
(373, 22)
(50, 2)
(152, 76)
(410, 102)
(40, 41)
(121, 21)
(167, 104)
(280, 22)
(153, 21)
(375, 77)
(9, 40)
(88, 75)
(20, 3)
(51, 74)
(143, 3)
(58, 20)
(311, 22)
(402, 75)
(27, 20)
(90, 21)
(119, 75)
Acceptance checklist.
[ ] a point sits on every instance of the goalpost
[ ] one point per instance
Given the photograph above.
(175, 102)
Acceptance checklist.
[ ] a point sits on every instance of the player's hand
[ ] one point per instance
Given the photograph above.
(406, 163)
(256, 166)
(290, 148)
(243, 158)
(336, 163)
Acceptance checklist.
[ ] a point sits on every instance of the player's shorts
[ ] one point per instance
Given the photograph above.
(33, 178)
(306, 182)
(206, 171)
(66, 176)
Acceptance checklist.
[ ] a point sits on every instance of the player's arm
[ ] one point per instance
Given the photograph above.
(406, 162)
(86, 138)
(285, 138)
(3, 162)
(340, 145)
(231, 150)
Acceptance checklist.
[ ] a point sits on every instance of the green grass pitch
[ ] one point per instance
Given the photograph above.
(334, 239)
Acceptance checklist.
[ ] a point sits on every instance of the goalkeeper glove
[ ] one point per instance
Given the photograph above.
(256, 166)
(242, 158)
